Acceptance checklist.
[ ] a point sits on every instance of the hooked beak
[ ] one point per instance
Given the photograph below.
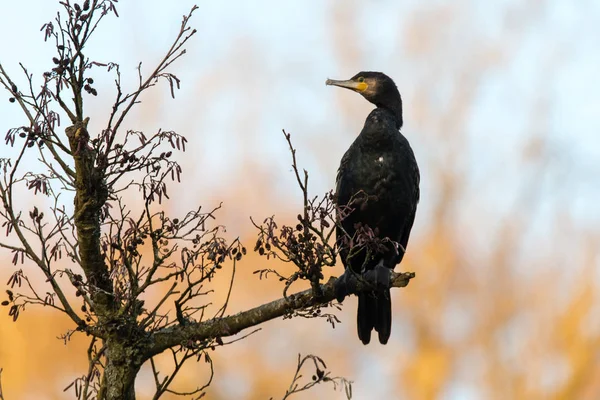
(349, 84)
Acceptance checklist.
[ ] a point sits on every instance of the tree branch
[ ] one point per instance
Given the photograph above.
(90, 197)
(231, 325)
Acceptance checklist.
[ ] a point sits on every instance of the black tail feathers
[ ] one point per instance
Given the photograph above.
(365, 318)
(383, 323)
(374, 312)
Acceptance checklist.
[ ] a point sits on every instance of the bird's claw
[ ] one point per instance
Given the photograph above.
(378, 277)
(346, 284)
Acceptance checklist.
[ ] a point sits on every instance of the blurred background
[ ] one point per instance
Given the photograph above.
(502, 108)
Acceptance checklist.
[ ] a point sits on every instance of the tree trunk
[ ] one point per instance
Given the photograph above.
(90, 197)
(122, 366)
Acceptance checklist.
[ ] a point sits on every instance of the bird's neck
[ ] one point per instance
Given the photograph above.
(393, 105)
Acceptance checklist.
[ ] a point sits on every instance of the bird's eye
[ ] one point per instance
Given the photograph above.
(361, 79)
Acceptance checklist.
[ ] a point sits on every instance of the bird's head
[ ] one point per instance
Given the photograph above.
(376, 87)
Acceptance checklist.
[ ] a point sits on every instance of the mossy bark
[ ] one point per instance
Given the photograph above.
(90, 196)
(123, 363)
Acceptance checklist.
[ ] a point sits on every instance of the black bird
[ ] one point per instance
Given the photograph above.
(378, 180)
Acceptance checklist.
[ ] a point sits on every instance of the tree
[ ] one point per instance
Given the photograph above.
(101, 257)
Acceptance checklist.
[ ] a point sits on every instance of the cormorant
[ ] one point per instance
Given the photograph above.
(378, 179)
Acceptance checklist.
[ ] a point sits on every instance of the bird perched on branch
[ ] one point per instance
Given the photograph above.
(377, 194)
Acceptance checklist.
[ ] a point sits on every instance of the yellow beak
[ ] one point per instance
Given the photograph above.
(349, 84)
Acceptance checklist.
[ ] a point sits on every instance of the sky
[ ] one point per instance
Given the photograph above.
(287, 50)
(481, 81)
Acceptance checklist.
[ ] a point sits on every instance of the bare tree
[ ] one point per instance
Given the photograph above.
(101, 256)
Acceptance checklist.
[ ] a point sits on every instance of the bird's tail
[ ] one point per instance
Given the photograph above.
(374, 312)
(383, 322)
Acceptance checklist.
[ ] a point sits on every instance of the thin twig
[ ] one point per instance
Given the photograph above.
(321, 375)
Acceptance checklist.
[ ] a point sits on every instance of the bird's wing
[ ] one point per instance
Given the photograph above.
(405, 233)
(411, 184)
(343, 193)
(339, 181)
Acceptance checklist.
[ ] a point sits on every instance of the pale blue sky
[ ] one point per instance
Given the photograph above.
(280, 54)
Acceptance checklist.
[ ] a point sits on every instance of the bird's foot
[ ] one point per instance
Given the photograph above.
(379, 277)
(346, 284)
